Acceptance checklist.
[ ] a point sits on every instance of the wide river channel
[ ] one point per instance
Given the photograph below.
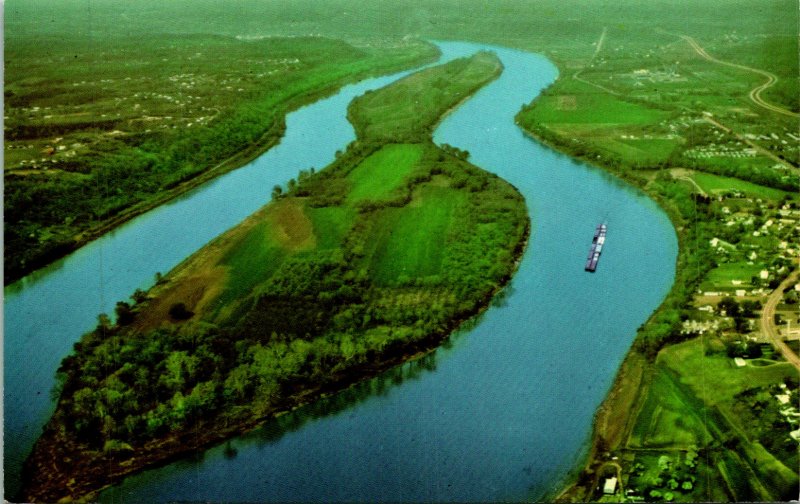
(503, 411)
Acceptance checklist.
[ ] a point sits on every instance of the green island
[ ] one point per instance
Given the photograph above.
(348, 271)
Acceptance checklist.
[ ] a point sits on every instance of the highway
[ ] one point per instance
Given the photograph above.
(755, 93)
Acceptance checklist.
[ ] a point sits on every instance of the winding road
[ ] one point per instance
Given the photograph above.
(755, 93)
(768, 327)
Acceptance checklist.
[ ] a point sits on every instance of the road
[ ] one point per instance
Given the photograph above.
(598, 46)
(752, 144)
(768, 327)
(687, 178)
(755, 93)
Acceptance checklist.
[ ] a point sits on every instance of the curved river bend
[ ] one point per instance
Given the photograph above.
(503, 411)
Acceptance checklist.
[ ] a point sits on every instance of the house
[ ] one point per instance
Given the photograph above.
(763, 274)
(739, 362)
(610, 486)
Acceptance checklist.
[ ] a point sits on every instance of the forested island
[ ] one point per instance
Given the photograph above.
(347, 271)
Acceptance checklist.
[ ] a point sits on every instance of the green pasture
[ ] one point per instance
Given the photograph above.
(722, 277)
(716, 183)
(252, 260)
(714, 378)
(634, 151)
(669, 418)
(410, 241)
(331, 224)
(584, 104)
(383, 171)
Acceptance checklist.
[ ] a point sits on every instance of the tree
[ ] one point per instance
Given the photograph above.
(139, 296)
(103, 322)
(178, 311)
(277, 191)
(124, 313)
(729, 305)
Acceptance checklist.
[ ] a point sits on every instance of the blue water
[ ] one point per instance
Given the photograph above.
(502, 412)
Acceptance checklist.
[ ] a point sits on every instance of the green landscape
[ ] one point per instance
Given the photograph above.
(354, 285)
(377, 258)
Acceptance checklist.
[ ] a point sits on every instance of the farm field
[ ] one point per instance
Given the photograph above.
(716, 184)
(383, 172)
(687, 411)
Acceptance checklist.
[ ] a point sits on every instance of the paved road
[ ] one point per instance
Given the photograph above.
(768, 327)
(752, 144)
(755, 93)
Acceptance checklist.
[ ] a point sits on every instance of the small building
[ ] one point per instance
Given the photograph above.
(740, 292)
(739, 362)
(763, 274)
(782, 398)
(795, 434)
(610, 486)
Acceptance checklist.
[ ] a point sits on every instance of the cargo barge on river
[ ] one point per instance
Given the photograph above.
(597, 247)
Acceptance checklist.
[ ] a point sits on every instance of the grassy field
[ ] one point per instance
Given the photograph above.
(669, 418)
(383, 172)
(580, 103)
(404, 248)
(719, 380)
(716, 184)
(722, 277)
(331, 224)
(692, 403)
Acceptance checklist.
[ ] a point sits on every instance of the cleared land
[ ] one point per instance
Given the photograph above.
(383, 172)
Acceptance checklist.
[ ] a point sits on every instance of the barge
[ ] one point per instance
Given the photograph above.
(596, 248)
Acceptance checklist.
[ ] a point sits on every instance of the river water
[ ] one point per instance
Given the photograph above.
(501, 412)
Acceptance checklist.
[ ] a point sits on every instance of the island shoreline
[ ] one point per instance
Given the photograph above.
(177, 450)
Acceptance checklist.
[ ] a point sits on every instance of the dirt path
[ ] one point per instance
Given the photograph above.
(768, 327)
(685, 175)
(755, 93)
(597, 49)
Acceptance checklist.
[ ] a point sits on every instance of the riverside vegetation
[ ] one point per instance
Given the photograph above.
(346, 272)
(93, 138)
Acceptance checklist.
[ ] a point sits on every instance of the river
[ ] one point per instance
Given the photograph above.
(502, 412)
